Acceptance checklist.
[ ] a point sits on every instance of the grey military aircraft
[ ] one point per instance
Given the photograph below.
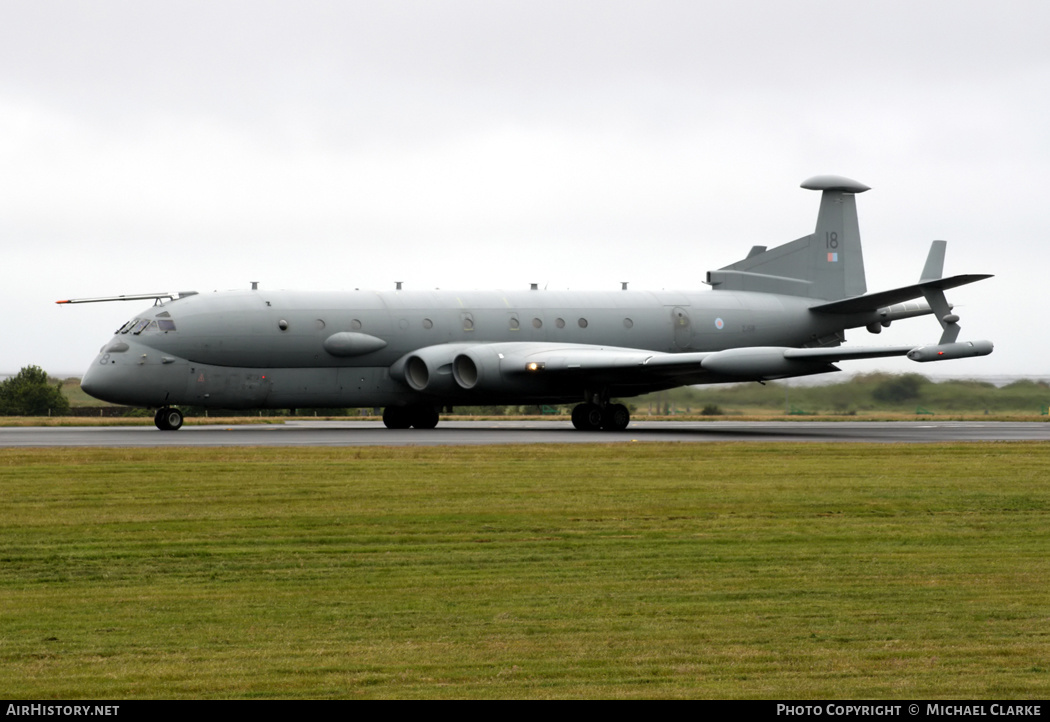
(780, 312)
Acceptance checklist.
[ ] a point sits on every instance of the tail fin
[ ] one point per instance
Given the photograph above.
(827, 264)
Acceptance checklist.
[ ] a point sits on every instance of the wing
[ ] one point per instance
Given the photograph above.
(552, 369)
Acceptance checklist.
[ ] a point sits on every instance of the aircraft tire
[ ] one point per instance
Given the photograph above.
(424, 417)
(168, 419)
(615, 417)
(587, 417)
(397, 417)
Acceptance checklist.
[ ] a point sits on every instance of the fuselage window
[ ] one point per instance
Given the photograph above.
(427, 323)
(537, 323)
(583, 323)
(628, 323)
(514, 324)
(165, 324)
(355, 325)
(559, 322)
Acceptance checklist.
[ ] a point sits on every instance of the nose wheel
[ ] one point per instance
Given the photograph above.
(168, 419)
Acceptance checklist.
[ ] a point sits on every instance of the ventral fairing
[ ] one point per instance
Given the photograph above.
(779, 313)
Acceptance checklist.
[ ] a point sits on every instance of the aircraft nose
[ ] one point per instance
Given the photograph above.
(95, 382)
(89, 381)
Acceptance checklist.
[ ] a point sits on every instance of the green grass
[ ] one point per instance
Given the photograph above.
(649, 570)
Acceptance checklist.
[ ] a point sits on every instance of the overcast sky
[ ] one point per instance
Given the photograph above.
(165, 146)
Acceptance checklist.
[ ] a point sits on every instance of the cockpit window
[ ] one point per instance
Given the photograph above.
(165, 324)
(127, 327)
(140, 326)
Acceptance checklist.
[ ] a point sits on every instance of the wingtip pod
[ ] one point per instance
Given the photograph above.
(945, 351)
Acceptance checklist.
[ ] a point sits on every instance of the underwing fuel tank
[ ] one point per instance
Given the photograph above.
(945, 351)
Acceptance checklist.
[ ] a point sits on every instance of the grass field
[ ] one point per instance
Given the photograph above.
(656, 570)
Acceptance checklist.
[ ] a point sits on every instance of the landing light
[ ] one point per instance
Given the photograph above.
(534, 366)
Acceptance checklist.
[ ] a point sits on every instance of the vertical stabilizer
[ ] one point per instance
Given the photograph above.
(828, 264)
(838, 270)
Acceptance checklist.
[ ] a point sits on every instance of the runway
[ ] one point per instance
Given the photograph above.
(452, 433)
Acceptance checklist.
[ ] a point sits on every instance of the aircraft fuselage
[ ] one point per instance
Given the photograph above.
(281, 349)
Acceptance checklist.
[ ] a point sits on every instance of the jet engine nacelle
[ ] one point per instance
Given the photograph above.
(495, 369)
(945, 351)
(428, 369)
(760, 362)
(478, 369)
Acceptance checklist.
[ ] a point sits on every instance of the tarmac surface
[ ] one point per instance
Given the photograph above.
(452, 433)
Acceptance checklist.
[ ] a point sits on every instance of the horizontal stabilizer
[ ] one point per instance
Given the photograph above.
(870, 302)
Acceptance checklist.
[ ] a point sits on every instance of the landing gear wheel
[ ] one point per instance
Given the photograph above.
(615, 417)
(587, 417)
(168, 419)
(397, 417)
(424, 417)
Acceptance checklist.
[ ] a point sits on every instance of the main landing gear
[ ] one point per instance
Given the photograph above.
(591, 417)
(168, 419)
(419, 416)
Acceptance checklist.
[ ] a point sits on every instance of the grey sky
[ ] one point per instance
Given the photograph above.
(153, 146)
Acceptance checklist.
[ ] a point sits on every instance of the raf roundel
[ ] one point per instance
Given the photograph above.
(719, 323)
